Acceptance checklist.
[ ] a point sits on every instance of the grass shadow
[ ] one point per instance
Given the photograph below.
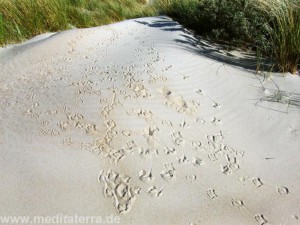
(200, 46)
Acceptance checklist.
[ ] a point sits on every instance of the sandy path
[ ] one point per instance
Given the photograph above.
(129, 120)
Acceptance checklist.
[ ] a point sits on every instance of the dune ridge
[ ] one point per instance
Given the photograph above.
(133, 120)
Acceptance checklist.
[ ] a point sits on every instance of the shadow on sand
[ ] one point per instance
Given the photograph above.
(200, 46)
(197, 45)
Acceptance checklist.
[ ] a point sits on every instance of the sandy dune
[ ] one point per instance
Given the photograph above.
(138, 120)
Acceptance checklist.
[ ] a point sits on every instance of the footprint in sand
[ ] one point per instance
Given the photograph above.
(169, 172)
(117, 187)
(155, 79)
(200, 92)
(183, 124)
(167, 123)
(90, 129)
(67, 142)
(64, 126)
(32, 114)
(145, 114)
(242, 179)
(260, 219)
(146, 176)
(45, 123)
(177, 138)
(197, 161)
(196, 145)
(200, 120)
(153, 191)
(216, 105)
(185, 77)
(226, 170)
(110, 124)
(215, 121)
(126, 133)
(191, 177)
(35, 105)
(212, 157)
(217, 138)
(211, 194)
(166, 92)
(283, 190)
(52, 132)
(170, 150)
(176, 101)
(148, 151)
(75, 117)
(257, 182)
(295, 217)
(150, 132)
(182, 159)
(140, 91)
(237, 203)
(231, 166)
(130, 146)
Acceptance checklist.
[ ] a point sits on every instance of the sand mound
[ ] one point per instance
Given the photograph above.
(133, 120)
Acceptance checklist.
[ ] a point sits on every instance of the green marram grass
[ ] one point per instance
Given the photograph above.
(271, 27)
(23, 19)
(283, 28)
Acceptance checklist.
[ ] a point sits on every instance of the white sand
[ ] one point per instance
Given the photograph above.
(200, 140)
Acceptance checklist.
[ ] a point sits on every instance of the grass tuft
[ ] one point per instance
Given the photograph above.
(271, 27)
(23, 19)
(284, 32)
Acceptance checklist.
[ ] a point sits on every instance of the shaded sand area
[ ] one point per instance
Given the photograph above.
(137, 120)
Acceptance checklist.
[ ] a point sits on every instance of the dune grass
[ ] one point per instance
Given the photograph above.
(22, 19)
(283, 28)
(271, 27)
